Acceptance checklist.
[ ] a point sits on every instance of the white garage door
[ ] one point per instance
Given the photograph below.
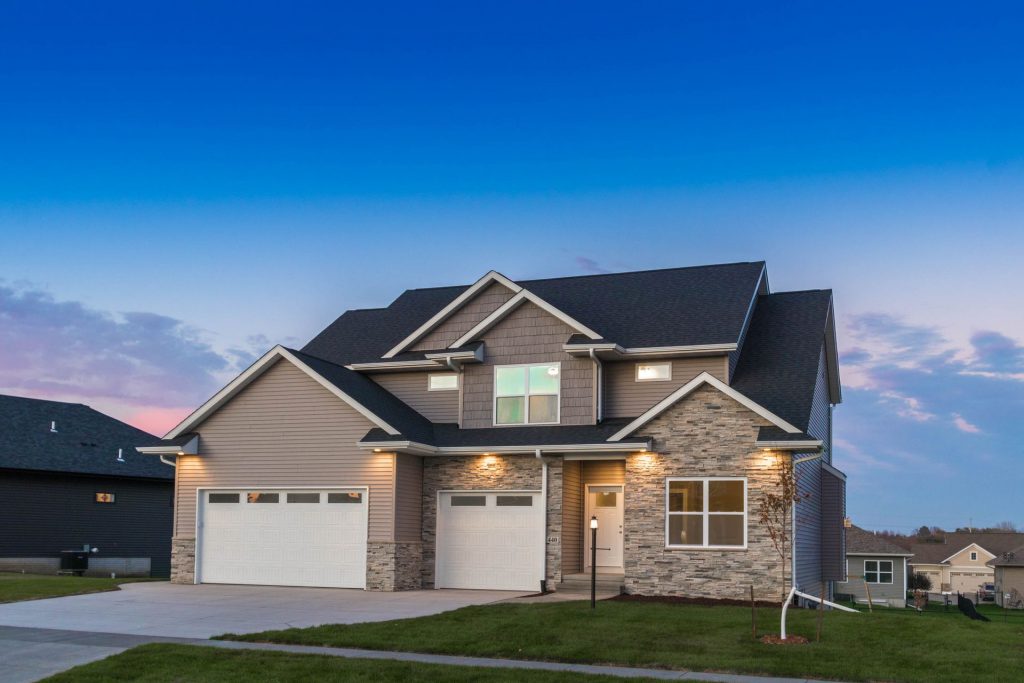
(490, 540)
(283, 537)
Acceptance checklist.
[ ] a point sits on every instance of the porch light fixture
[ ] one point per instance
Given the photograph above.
(593, 522)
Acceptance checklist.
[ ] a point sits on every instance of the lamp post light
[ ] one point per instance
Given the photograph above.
(593, 562)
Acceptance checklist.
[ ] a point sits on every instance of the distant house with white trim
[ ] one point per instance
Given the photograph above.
(960, 564)
(876, 566)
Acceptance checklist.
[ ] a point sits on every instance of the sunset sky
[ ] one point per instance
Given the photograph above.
(179, 192)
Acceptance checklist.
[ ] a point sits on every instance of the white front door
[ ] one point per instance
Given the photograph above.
(283, 537)
(605, 503)
(490, 540)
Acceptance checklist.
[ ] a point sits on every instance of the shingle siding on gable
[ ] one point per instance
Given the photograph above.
(625, 397)
(528, 335)
(411, 387)
(461, 321)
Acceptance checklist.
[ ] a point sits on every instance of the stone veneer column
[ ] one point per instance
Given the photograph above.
(554, 526)
(706, 434)
(453, 473)
(183, 560)
(393, 566)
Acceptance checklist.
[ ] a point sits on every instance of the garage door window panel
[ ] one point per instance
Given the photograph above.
(260, 497)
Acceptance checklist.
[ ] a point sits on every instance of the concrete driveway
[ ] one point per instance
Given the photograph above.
(37, 636)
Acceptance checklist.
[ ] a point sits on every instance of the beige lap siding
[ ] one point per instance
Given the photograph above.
(625, 397)
(285, 430)
(705, 435)
(572, 518)
(411, 388)
(604, 472)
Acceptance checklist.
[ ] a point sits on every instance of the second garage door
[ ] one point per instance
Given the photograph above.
(490, 540)
(283, 537)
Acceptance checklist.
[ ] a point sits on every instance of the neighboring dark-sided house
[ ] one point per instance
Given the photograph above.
(64, 487)
(466, 437)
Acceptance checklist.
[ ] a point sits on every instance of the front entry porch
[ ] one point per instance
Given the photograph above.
(593, 488)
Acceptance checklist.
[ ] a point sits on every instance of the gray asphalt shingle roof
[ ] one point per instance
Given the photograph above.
(862, 542)
(671, 307)
(86, 440)
(995, 542)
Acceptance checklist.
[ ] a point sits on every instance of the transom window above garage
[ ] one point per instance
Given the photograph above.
(527, 394)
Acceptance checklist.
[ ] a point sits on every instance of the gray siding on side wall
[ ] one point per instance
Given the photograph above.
(819, 425)
(528, 335)
(625, 397)
(572, 518)
(808, 528)
(833, 536)
(411, 388)
(284, 430)
(408, 498)
(461, 321)
(879, 591)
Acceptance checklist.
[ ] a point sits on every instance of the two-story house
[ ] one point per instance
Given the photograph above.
(468, 437)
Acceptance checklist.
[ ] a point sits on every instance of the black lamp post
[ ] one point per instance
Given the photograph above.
(593, 562)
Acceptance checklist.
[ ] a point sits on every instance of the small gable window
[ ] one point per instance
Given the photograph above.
(442, 381)
(974, 556)
(653, 372)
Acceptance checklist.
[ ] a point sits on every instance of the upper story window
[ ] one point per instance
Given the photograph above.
(527, 394)
(974, 556)
(442, 381)
(653, 372)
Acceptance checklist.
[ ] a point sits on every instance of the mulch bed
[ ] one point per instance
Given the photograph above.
(680, 600)
(790, 640)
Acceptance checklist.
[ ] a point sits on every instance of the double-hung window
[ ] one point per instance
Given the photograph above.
(706, 513)
(878, 571)
(526, 394)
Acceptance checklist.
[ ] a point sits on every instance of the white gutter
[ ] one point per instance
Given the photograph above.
(164, 460)
(424, 449)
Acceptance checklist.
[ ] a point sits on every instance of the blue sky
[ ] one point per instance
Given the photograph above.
(182, 187)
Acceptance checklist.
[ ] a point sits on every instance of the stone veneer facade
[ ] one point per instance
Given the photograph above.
(183, 560)
(707, 434)
(491, 472)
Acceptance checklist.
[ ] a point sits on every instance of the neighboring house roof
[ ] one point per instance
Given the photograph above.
(862, 542)
(1009, 558)
(655, 308)
(995, 542)
(778, 366)
(86, 440)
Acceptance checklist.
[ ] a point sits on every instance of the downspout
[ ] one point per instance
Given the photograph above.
(164, 460)
(600, 383)
(543, 538)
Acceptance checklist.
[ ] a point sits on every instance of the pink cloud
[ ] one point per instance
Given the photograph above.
(964, 426)
(157, 420)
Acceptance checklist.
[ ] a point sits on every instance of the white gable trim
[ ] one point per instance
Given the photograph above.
(691, 386)
(522, 297)
(456, 303)
(966, 547)
(255, 370)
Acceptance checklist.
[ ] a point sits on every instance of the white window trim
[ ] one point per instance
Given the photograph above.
(526, 404)
(706, 513)
(879, 571)
(974, 556)
(637, 378)
(431, 375)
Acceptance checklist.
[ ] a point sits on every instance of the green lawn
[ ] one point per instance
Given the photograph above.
(888, 645)
(196, 663)
(14, 587)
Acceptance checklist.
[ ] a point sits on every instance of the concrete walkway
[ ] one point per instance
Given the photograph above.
(39, 653)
